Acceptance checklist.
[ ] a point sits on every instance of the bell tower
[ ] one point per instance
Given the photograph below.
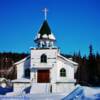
(45, 38)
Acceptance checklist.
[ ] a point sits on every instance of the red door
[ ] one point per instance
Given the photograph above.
(43, 76)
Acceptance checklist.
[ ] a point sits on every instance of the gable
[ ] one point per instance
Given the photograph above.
(68, 62)
(24, 62)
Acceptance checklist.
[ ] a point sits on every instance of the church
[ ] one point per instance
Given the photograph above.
(45, 69)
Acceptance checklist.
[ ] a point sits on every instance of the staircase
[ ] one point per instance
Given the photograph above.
(40, 88)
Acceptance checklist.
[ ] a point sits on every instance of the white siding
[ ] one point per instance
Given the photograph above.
(21, 66)
(36, 64)
(36, 54)
(69, 71)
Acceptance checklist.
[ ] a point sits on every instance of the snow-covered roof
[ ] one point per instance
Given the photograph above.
(90, 91)
(45, 36)
(52, 37)
(21, 80)
(26, 58)
(45, 32)
(37, 36)
(70, 61)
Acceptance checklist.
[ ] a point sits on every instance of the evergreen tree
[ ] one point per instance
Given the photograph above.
(6, 63)
(92, 67)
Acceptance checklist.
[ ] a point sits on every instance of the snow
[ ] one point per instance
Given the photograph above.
(46, 96)
(90, 91)
(33, 97)
(37, 36)
(51, 36)
(22, 80)
(76, 94)
(17, 93)
(45, 36)
(84, 93)
(80, 93)
(39, 88)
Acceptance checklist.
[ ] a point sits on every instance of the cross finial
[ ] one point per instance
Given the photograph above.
(45, 13)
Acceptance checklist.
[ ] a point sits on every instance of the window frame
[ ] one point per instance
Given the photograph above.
(43, 58)
(62, 72)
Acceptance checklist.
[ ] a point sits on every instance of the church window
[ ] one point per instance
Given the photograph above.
(27, 72)
(43, 58)
(63, 72)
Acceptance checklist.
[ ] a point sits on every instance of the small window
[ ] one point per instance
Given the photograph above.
(27, 72)
(43, 58)
(63, 72)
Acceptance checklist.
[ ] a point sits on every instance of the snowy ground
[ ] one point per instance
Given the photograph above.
(80, 93)
(34, 97)
(46, 96)
(90, 91)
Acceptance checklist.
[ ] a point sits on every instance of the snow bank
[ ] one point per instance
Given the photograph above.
(77, 94)
(90, 91)
(80, 93)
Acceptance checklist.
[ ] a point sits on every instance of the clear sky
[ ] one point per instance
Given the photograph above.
(75, 23)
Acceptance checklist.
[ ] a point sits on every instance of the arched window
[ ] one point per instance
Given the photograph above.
(43, 58)
(62, 72)
(27, 72)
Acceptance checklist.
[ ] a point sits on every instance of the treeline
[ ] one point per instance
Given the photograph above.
(6, 63)
(88, 72)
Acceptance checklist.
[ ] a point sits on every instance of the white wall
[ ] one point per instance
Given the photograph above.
(63, 88)
(69, 71)
(54, 63)
(35, 60)
(36, 54)
(40, 88)
(21, 66)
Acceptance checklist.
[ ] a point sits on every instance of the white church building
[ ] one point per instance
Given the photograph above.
(45, 69)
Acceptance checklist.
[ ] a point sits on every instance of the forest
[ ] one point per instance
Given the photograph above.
(88, 73)
(7, 67)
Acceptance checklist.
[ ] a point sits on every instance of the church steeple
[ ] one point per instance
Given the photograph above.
(45, 29)
(45, 38)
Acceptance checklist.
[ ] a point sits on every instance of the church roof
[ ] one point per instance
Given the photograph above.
(72, 62)
(23, 60)
(45, 32)
(45, 29)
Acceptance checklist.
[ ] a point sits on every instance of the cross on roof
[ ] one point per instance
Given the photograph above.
(45, 13)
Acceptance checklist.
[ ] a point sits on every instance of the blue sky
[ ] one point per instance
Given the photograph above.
(75, 23)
